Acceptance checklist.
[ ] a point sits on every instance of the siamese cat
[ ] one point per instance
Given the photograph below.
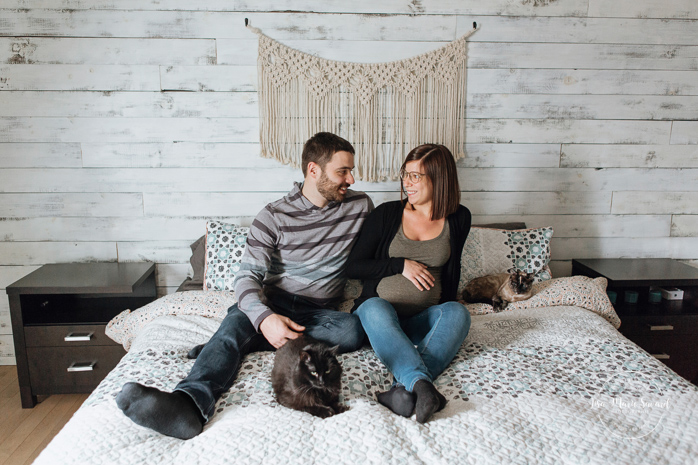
(500, 289)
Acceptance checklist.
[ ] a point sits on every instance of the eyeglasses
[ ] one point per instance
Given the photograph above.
(413, 175)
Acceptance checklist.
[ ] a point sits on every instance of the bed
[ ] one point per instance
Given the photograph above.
(548, 380)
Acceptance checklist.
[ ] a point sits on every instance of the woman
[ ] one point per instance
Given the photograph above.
(408, 254)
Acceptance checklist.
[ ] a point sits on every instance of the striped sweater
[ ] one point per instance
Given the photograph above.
(299, 248)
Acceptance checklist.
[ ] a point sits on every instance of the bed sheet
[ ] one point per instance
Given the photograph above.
(537, 385)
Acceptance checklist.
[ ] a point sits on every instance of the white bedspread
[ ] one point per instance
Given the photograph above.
(544, 385)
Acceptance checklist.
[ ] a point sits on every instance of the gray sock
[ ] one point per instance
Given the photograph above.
(429, 400)
(170, 413)
(398, 399)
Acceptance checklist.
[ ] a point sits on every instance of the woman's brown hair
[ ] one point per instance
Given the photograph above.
(440, 167)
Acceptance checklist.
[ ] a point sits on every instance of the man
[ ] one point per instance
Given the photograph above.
(292, 273)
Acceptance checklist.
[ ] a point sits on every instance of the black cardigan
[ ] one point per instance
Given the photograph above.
(370, 262)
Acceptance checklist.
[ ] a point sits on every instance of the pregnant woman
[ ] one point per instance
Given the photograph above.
(408, 255)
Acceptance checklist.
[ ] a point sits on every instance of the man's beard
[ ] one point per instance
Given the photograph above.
(330, 190)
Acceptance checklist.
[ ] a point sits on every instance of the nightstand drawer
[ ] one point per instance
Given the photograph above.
(671, 340)
(656, 325)
(70, 370)
(677, 355)
(654, 344)
(66, 336)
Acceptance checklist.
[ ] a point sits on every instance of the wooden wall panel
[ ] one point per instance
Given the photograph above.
(587, 30)
(579, 107)
(10, 274)
(124, 130)
(150, 251)
(40, 253)
(643, 202)
(158, 104)
(613, 247)
(18, 155)
(646, 8)
(175, 155)
(532, 131)
(497, 7)
(79, 77)
(629, 156)
(592, 225)
(219, 24)
(684, 225)
(113, 51)
(511, 155)
(61, 204)
(171, 275)
(5, 321)
(7, 350)
(684, 132)
(148, 180)
(125, 126)
(77, 229)
(584, 81)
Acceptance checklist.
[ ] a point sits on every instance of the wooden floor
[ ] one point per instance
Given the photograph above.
(25, 432)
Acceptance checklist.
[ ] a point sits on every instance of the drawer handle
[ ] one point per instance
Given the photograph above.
(77, 337)
(661, 328)
(81, 366)
(661, 356)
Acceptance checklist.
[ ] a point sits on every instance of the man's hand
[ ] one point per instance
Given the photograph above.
(279, 329)
(418, 274)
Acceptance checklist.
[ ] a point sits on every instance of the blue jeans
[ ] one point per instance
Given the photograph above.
(437, 333)
(217, 365)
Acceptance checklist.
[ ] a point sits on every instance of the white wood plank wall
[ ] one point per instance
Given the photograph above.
(125, 125)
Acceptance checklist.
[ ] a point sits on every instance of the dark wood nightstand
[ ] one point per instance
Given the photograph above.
(59, 313)
(668, 329)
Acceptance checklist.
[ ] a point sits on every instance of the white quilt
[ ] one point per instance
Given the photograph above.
(543, 385)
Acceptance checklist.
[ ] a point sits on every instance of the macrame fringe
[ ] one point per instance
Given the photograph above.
(384, 109)
(537, 2)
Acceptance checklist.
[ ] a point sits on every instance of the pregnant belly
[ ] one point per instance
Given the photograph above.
(405, 297)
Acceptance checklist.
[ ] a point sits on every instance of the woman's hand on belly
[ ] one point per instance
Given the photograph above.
(418, 274)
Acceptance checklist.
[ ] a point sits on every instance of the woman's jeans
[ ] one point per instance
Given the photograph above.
(217, 365)
(416, 347)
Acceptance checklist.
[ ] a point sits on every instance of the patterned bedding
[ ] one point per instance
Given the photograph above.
(553, 384)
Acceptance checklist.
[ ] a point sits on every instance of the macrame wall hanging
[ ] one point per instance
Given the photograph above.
(383, 109)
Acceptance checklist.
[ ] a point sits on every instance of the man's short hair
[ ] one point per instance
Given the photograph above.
(440, 167)
(320, 148)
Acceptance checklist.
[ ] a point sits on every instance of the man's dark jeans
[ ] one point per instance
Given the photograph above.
(217, 365)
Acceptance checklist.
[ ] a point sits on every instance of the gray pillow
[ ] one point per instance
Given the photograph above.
(197, 261)
(198, 258)
(508, 226)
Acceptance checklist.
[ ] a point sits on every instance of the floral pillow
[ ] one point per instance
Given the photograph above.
(225, 244)
(491, 251)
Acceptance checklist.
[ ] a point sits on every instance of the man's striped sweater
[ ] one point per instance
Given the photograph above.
(299, 248)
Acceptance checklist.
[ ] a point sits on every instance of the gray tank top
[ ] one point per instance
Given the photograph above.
(398, 290)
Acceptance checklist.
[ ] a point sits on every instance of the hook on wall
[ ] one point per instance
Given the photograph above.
(474, 24)
(246, 21)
